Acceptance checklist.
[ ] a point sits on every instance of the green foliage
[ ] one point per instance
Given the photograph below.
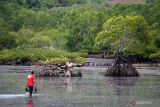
(77, 59)
(72, 25)
(36, 55)
(23, 36)
(6, 40)
(59, 3)
(155, 55)
(80, 60)
(55, 60)
(124, 34)
(84, 25)
(48, 38)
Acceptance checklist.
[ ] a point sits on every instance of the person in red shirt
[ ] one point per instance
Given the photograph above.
(31, 82)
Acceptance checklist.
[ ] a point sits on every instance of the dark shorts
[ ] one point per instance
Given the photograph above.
(30, 89)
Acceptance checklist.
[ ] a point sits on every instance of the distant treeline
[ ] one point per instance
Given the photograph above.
(69, 25)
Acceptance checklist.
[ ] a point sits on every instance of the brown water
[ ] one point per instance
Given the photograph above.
(92, 90)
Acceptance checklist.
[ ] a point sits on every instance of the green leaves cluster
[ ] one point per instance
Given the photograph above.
(40, 55)
(73, 25)
(83, 26)
(125, 34)
(48, 38)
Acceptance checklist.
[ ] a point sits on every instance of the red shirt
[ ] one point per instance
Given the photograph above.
(30, 80)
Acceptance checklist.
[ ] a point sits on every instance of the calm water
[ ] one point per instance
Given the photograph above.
(92, 90)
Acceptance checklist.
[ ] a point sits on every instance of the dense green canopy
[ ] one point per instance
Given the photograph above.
(125, 34)
(72, 25)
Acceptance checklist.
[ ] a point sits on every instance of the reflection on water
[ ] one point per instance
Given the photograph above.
(30, 102)
(91, 90)
(68, 85)
(121, 88)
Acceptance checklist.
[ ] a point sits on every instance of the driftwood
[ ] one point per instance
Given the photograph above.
(122, 68)
(57, 70)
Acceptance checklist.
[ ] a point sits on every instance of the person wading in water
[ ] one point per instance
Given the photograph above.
(30, 82)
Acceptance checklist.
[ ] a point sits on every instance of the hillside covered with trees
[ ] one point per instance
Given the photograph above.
(36, 30)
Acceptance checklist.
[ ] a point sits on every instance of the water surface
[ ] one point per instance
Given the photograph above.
(91, 90)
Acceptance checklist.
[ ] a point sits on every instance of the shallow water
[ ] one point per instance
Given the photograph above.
(92, 90)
